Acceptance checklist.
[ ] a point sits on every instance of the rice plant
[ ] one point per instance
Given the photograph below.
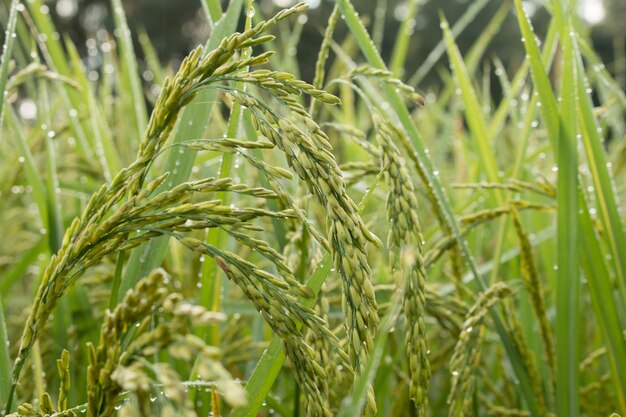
(224, 238)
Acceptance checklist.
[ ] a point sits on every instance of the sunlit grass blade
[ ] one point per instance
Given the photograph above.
(519, 81)
(105, 148)
(212, 10)
(568, 276)
(477, 51)
(600, 72)
(543, 86)
(54, 217)
(152, 59)
(31, 171)
(607, 203)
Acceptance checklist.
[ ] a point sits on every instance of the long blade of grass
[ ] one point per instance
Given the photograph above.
(7, 50)
(105, 147)
(561, 126)
(568, 279)
(151, 57)
(401, 46)
(606, 200)
(212, 9)
(30, 169)
(55, 58)
(519, 81)
(601, 290)
(600, 72)
(539, 73)
(130, 71)
(477, 51)
(473, 110)
(55, 219)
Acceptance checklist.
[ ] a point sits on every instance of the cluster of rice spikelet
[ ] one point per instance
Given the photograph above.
(127, 337)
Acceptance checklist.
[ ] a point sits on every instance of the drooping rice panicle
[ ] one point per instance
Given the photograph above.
(309, 154)
(405, 244)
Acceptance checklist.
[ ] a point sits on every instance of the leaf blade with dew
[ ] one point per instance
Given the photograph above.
(31, 171)
(606, 198)
(607, 202)
(55, 219)
(603, 302)
(477, 51)
(7, 50)
(562, 138)
(109, 157)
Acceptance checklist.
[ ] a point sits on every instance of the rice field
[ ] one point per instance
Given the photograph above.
(223, 238)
